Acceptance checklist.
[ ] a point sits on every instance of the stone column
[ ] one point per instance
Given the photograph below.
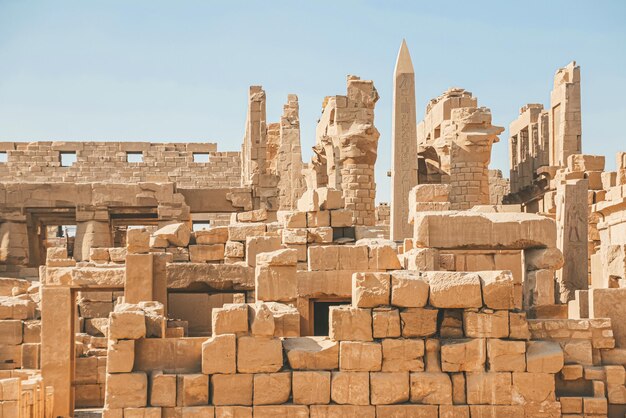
(91, 234)
(57, 359)
(572, 236)
(403, 145)
(471, 136)
(289, 157)
(565, 114)
(13, 243)
(254, 150)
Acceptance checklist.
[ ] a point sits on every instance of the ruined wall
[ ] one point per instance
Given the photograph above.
(528, 145)
(565, 115)
(498, 187)
(107, 162)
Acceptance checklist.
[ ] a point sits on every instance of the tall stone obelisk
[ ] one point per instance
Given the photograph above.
(403, 145)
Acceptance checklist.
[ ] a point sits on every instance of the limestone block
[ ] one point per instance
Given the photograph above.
(506, 356)
(309, 201)
(259, 355)
(137, 241)
(370, 290)
(312, 353)
(129, 325)
(383, 254)
(233, 412)
(348, 323)
(459, 395)
(544, 357)
(572, 372)
(241, 231)
(320, 235)
(350, 388)
(571, 404)
(389, 388)
(56, 253)
(291, 219)
(276, 283)
(126, 390)
(466, 355)
(408, 289)
(493, 388)
(192, 389)
(357, 356)
(486, 324)
(213, 235)
(219, 354)
(386, 323)
(418, 322)
(330, 198)
(234, 249)
(533, 387)
(342, 411)
(261, 320)
(162, 389)
(311, 387)
(582, 162)
(120, 356)
(400, 355)
(11, 331)
(287, 411)
(498, 289)
(540, 288)
(177, 234)
(416, 411)
(454, 289)
(204, 253)
(421, 259)
(431, 388)
(284, 257)
(257, 245)
(543, 259)
(271, 388)
(340, 218)
(595, 406)
(317, 219)
(323, 258)
(230, 319)
(295, 236)
(231, 389)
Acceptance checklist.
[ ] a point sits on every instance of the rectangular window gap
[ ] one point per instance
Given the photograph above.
(200, 157)
(3, 157)
(134, 157)
(68, 158)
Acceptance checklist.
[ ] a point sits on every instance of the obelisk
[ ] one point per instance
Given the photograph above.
(403, 145)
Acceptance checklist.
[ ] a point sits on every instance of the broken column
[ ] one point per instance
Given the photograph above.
(403, 144)
(565, 112)
(289, 156)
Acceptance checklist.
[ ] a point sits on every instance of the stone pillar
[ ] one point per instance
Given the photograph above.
(403, 145)
(91, 234)
(359, 192)
(138, 286)
(565, 115)
(289, 157)
(255, 140)
(471, 136)
(13, 243)
(57, 359)
(572, 229)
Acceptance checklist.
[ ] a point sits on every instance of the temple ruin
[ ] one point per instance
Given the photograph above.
(172, 280)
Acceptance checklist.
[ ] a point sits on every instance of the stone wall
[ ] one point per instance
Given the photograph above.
(107, 162)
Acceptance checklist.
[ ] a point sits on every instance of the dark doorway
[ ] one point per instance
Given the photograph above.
(320, 315)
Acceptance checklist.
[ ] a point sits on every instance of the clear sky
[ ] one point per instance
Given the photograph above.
(150, 70)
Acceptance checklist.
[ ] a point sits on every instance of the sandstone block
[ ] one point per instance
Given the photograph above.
(219, 354)
(543, 259)
(340, 218)
(498, 289)
(204, 253)
(311, 387)
(142, 412)
(261, 320)
(348, 323)
(412, 411)
(421, 259)
(287, 411)
(533, 387)
(383, 255)
(230, 319)
(389, 388)
(418, 322)
(276, 283)
(177, 234)
(506, 356)
(320, 235)
(234, 249)
(233, 412)
(370, 290)
(400, 355)
(11, 331)
(360, 356)
(137, 241)
(518, 326)
(571, 405)
(486, 324)
(408, 289)
(431, 388)
(241, 231)
(258, 245)
(323, 258)
(544, 357)
(120, 356)
(192, 389)
(295, 236)
(291, 219)
(126, 390)
(312, 353)
(129, 325)
(271, 388)
(213, 235)
(309, 201)
(454, 411)
(257, 215)
(342, 411)
(467, 355)
(330, 198)
(317, 219)
(493, 388)
(231, 389)
(259, 355)
(162, 389)
(386, 322)
(497, 411)
(284, 257)
(454, 289)
(350, 388)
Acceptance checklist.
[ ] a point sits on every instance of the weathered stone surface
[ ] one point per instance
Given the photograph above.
(498, 289)
(177, 234)
(348, 323)
(312, 353)
(403, 355)
(506, 356)
(360, 356)
(418, 322)
(370, 290)
(284, 257)
(386, 323)
(125, 390)
(259, 355)
(204, 253)
(192, 389)
(408, 289)
(342, 411)
(311, 387)
(466, 355)
(162, 389)
(544, 357)
(127, 325)
(219, 354)
(486, 324)
(241, 231)
(276, 283)
(431, 388)
(389, 388)
(454, 289)
(213, 235)
(120, 356)
(271, 388)
(232, 318)
(493, 388)
(533, 387)
(543, 259)
(231, 389)
(350, 388)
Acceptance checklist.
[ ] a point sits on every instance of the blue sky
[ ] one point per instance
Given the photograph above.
(149, 70)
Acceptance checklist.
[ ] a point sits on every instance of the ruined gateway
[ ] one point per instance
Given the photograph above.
(148, 280)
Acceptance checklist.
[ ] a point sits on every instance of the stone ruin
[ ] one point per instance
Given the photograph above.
(144, 280)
